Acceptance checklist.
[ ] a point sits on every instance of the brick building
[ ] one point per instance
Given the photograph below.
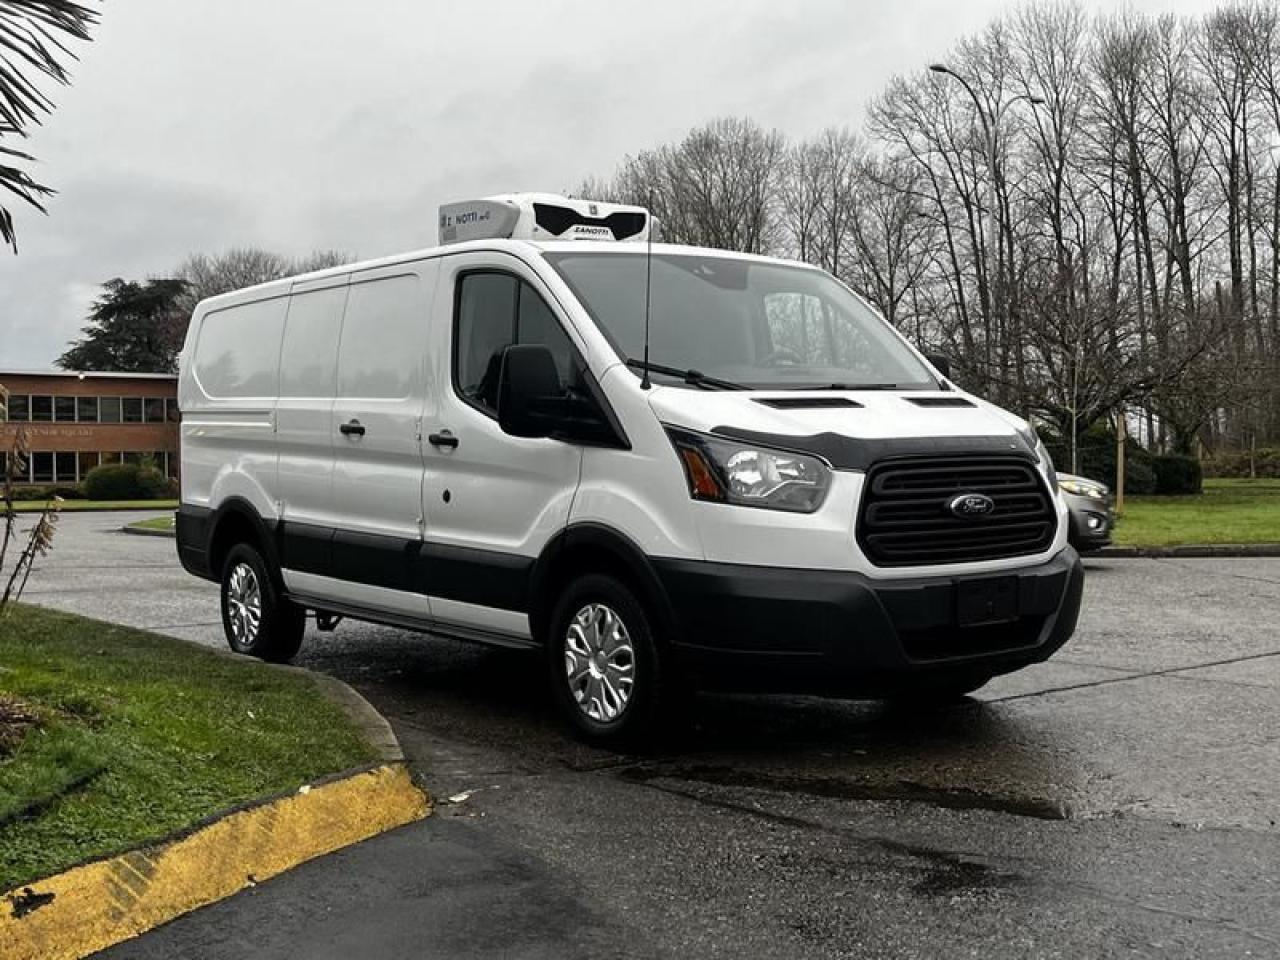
(75, 421)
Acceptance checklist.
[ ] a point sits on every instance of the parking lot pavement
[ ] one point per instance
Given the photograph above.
(96, 570)
(792, 826)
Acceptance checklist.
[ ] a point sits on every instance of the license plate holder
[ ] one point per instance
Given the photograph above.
(987, 601)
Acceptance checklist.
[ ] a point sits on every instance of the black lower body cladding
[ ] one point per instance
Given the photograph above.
(191, 528)
(842, 633)
(739, 626)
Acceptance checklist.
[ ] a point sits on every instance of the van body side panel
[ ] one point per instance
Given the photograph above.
(228, 395)
(641, 493)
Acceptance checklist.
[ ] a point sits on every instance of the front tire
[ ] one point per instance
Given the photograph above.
(256, 619)
(609, 677)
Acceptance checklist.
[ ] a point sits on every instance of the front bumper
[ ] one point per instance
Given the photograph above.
(1091, 522)
(843, 633)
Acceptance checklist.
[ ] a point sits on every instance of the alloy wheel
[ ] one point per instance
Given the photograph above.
(600, 663)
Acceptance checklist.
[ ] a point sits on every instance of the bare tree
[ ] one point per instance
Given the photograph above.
(1084, 211)
(208, 276)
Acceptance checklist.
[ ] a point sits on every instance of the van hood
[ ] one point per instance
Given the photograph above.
(836, 423)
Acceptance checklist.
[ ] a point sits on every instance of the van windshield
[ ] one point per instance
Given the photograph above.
(762, 325)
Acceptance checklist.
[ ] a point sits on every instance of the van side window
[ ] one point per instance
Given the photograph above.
(237, 354)
(496, 310)
(311, 343)
(384, 332)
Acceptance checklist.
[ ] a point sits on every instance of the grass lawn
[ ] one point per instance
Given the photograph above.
(165, 524)
(1229, 511)
(81, 505)
(111, 736)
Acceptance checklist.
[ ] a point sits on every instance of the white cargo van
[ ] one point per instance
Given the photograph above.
(652, 462)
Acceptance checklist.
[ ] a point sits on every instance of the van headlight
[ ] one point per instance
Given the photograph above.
(727, 471)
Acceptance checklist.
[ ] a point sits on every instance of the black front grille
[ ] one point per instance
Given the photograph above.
(906, 521)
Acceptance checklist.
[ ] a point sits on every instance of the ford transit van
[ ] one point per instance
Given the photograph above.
(662, 467)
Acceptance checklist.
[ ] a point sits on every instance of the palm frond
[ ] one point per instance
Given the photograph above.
(32, 48)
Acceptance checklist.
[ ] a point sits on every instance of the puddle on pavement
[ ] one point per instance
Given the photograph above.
(956, 798)
(970, 756)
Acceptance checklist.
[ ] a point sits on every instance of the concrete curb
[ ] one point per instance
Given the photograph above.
(144, 532)
(98, 904)
(1192, 550)
(371, 723)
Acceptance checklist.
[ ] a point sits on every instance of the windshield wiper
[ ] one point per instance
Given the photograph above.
(860, 386)
(841, 386)
(695, 378)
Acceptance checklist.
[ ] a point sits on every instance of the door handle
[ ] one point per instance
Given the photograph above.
(352, 428)
(444, 438)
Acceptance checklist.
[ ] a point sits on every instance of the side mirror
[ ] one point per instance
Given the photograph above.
(940, 363)
(530, 394)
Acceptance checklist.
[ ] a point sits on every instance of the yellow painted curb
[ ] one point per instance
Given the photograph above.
(91, 907)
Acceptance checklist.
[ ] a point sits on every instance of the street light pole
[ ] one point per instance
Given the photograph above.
(990, 132)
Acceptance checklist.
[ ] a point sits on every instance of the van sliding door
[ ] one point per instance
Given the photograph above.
(382, 395)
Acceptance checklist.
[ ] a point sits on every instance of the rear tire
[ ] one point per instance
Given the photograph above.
(610, 677)
(257, 620)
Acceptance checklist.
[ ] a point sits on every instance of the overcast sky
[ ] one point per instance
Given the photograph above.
(198, 125)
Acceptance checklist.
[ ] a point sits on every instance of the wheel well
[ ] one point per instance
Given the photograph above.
(575, 560)
(231, 528)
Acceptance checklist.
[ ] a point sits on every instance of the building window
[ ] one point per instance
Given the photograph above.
(42, 409)
(87, 461)
(64, 409)
(19, 407)
(132, 407)
(42, 467)
(171, 409)
(109, 409)
(108, 458)
(87, 409)
(64, 465)
(154, 409)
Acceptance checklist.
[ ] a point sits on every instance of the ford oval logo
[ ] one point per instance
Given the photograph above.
(971, 506)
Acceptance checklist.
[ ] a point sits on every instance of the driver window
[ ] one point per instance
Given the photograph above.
(496, 310)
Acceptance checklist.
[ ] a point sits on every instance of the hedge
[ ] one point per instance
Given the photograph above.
(1096, 453)
(126, 481)
(26, 493)
(1177, 475)
(1266, 463)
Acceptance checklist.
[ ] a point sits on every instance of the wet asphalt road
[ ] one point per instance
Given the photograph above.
(1121, 800)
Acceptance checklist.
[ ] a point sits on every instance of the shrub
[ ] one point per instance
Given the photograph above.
(1266, 463)
(112, 481)
(68, 491)
(1139, 477)
(1096, 453)
(152, 484)
(1177, 474)
(25, 493)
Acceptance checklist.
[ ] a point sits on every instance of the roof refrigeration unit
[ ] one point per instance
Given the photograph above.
(541, 217)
